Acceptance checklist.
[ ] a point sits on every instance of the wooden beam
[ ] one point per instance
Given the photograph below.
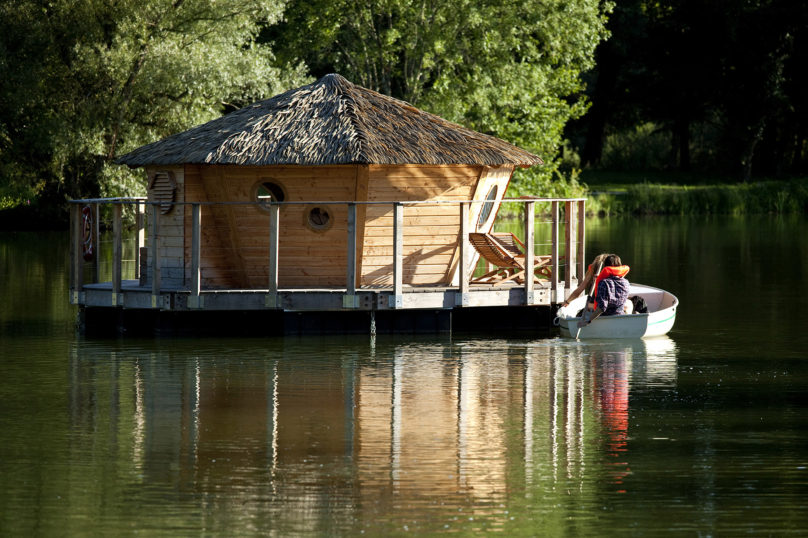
(570, 249)
(554, 251)
(217, 190)
(196, 256)
(140, 234)
(479, 182)
(349, 301)
(398, 256)
(362, 182)
(581, 238)
(154, 241)
(463, 250)
(530, 250)
(96, 212)
(274, 235)
(117, 253)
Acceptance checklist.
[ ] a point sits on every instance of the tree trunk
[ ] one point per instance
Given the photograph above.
(746, 160)
(684, 145)
(673, 156)
(608, 72)
(799, 144)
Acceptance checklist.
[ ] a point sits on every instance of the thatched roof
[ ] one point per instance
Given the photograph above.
(329, 122)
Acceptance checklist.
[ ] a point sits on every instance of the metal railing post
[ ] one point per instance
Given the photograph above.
(71, 257)
(570, 248)
(117, 254)
(462, 298)
(96, 271)
(76, 250)
(274, 245)
(140, 234)
(397, 299)
(530, 253)
(581, 238)
(554, 251)
(195, 300)
(350, 300)
(156, 299)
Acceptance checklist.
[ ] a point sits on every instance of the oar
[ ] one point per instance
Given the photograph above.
(589, 296)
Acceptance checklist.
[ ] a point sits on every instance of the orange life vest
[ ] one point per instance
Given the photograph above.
(606, 272)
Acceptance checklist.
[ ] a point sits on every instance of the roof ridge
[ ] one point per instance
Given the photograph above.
(346, 94)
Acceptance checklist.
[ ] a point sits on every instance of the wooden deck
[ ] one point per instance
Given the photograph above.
(133, 296)
(158, 293)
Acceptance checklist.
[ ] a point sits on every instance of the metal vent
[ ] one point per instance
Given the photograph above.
(163, 189)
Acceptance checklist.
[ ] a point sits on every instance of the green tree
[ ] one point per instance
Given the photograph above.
(753, 94)
(84, 81)
(733, 69)
(507, 69)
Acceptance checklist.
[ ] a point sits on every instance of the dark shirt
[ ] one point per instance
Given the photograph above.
(612, 295)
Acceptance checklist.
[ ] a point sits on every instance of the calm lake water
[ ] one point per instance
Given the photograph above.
(703, 433)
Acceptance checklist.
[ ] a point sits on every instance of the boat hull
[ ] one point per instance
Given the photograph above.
(659, 321)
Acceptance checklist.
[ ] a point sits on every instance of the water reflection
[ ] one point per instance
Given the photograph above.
(360, 436)
(114, 437)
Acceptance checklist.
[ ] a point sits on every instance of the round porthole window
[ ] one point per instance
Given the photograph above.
(318, 218)
(488, 206)
(267, 190)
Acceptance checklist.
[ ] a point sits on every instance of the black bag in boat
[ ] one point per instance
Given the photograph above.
(639, 305)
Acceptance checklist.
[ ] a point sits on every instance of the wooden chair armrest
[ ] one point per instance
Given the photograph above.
(520, 243)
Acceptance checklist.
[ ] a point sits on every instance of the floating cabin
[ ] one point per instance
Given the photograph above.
(327, 200)
(330, 141)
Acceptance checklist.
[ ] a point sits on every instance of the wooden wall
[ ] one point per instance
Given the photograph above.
(235, 252)
(499, 176)
(215, 268)
(430, 231)
(235, 239)
(171, 232)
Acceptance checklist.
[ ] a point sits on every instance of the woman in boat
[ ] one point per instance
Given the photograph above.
(590, 274)
(611, 290)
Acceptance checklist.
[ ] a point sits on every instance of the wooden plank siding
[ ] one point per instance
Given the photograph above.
(234, 240)
(212, 266)
(241, 257)
(430, 231)
(489, 177)
(170, 230)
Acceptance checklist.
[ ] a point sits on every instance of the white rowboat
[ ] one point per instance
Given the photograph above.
(662, 314)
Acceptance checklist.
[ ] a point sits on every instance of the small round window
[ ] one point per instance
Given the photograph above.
(488, 206)
(267, 190)
(318, 218)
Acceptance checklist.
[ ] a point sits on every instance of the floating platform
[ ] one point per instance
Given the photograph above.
(173, 292)
(436, 310)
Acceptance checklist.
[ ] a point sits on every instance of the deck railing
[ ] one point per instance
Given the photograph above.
(574, 254)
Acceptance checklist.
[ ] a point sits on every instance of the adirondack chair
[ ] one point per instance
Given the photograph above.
(502, 250)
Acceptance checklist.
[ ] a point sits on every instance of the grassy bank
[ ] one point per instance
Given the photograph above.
(611, 193)
(679, 194)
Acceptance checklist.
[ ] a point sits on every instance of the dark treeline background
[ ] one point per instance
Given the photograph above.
(710, 86)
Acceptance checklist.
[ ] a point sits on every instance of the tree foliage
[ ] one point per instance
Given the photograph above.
(732, 68)
(84, 81)
(507, 69)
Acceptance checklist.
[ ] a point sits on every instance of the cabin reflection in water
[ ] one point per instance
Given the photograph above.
(414, 422)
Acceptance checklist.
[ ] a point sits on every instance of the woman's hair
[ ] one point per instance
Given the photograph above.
(608, 260)
(600, 260)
